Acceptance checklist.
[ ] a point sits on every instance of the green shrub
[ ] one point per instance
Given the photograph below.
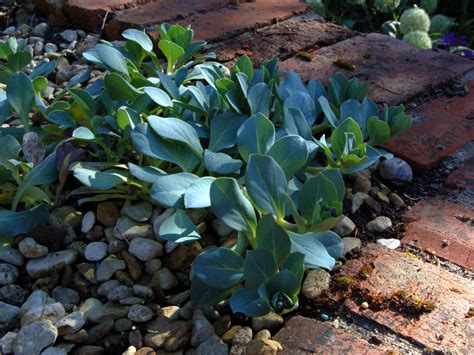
(429, 6)
(386, 6)
(441, 24)
(266, 155)
(419, 39)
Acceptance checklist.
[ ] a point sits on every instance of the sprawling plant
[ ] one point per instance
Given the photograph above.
(266, 155)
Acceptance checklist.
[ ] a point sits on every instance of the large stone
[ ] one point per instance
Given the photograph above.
(8, 313)
(50, 264)
(438, 227)
(429, 305)
(71, 323)
(202, 329)
(128, 229)
(33, 338)
(302, 335)
(145, 249)
(108, 267)
(30, 249)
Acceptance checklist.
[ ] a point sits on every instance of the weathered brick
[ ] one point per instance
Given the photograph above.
(234, 20)
(302, 335)
(282, 40)
(463, 177)
(388, 272)
(397, 71)
(157, 12)
(440, 128)
(437, 227)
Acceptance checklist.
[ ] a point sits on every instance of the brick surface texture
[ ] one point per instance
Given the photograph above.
(463, 177)
(397, 71)
(439, 227)
(445, 328)
(440, 127)
(307, 336)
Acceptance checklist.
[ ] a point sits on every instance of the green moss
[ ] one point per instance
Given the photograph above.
(304, 55)
(344, 64)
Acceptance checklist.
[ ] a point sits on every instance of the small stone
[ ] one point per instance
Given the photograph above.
(11, 256)
(350, 244)
(389, 243)
(242, 337)
(358, 200)
(50, 311)
(134, 266)
(119, 292)
(8, 313)
(66, 296)
(264, 334)
(140, 212)
(33, 338)
(152, 266)
(9, 31)
(222, 229)
(108, 267)
(131, 350)
(316, 282)
(90, 306)
(396, 200)
(66, 215)
(100, 331)
(8, 274)
(157, 339)
(165, 279)
(361, 184)
(269, 321)
(79, 337)
(88, 222)
(123, 325)
(382, 197)
(229, 335)
(344, 227)
(96, 251)
(70, 324)
(69, 35)
(364, 305)
(182, 256)
(127, 229)
(107, 286)
(40, 30)
(143, 291)
(145, 249)
(212, 346)
(395, 170)
(169, 312)
(107, 213)
(51, 263)
(50, 48)
(7, 342)
(222, 325)
(263, 347)
(145, 351)
(90, 350)
(379, 224)
(87, 270)
(54, 351)
(139, 313)
(132, 300)
(13, 294)
(201, 330)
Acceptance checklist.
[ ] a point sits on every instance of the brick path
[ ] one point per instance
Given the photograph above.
(398, 73)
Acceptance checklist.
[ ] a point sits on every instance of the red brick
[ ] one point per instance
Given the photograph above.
(231, 21)
(463, 177)
(437, 132)
(387, 272)
(397, 71)
(157, 12)
(282, 40)
(435, 226)
(302, 335)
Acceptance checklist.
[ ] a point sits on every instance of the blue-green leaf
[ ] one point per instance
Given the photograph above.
(328, 112)
(272, 237)
(221, 163)
(290, 152)
(259, 267)
(20, 94)
(112, 58)
(249, 302)
(14, 223)
(313, 249)
(99, 180)
(304, 102)
(230, 205)
(83, 133)
(295, 123)
(205, 296)
(198, 193)
(259, 99)
(168, 190)
(159, 96)
(177, 130)
(219, 267)
(145, 173)
(179, 228)
(139, 37)
(256, 135)
(224, 129)
(266, 184)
